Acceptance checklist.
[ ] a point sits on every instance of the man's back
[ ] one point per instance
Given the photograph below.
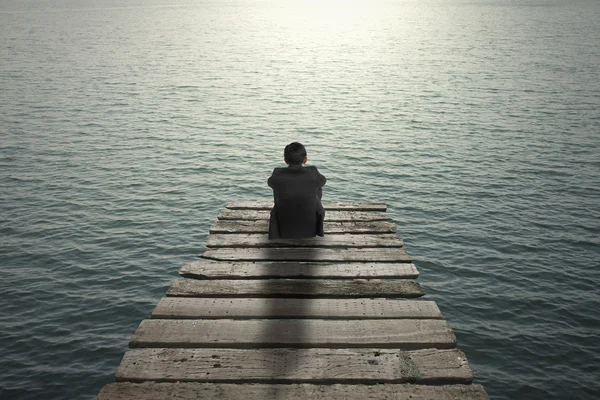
(297, 193)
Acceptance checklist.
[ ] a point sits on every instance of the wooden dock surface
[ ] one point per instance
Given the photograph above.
(337, 317)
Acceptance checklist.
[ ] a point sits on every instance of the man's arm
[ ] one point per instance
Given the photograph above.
(270, 180)
(271, 183)
(322, 179)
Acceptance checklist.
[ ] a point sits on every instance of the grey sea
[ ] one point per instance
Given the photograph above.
(127, 125)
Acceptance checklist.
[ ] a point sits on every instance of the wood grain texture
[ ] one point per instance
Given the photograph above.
(252, 270)
(281, 308)
(330, 216)
(339, 240)
(229, 391)
(430, 366)
(223, 226)
(327, 205)
(307, 254)
(225, 333)
(325, 288)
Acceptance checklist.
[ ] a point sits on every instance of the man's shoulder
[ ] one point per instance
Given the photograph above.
(313, 170)
(279, 170)
(309, 169)
(288, 169)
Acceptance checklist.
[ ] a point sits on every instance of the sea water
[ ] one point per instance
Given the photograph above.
(127, 125)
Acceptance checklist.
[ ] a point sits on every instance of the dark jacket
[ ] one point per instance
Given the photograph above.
(298, 212)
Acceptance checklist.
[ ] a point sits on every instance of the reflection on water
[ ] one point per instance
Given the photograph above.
(126, 127)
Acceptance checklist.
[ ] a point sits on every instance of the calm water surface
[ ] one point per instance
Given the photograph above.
(126, 126)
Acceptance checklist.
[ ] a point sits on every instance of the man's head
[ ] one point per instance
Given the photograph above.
(294, 154)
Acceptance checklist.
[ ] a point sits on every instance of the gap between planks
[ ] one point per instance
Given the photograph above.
(308, 254)
(327, 205)
(330, 216)
(253, 270)
(374, 227)
(335, 240)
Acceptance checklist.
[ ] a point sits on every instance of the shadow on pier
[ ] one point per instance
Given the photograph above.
(287, 335)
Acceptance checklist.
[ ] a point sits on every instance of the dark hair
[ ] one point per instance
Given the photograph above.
(294, 153)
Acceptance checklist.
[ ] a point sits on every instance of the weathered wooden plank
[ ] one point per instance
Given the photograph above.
(330, 216)
(307, 254)
(429, 366)
(226, 333)
(262, 240)
(252, 270)
(223, 226)
(324, 288)
(230, 391)
(327, 205)
(215, 308)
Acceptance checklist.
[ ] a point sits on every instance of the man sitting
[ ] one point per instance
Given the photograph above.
(297, 192)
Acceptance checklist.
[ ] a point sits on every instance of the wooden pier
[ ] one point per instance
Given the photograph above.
(320, 318)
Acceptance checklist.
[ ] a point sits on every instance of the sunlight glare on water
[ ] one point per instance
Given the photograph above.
(126, 126)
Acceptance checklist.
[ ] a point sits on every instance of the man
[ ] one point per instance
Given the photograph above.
(297, 192)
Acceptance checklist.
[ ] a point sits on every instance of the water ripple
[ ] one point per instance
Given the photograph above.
(126, 129)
